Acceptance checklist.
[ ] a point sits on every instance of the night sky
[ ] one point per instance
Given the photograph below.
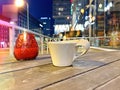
(40, 8)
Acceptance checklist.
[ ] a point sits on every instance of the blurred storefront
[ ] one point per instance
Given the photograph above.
(4, 33)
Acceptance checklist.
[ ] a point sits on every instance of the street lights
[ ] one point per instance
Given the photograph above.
(20, 3)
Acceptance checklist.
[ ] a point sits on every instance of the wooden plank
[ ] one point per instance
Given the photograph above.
(113, 84)
(43, 76)
(90, 80)
(21, 65)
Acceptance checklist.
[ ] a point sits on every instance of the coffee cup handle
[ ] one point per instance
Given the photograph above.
(84, 44)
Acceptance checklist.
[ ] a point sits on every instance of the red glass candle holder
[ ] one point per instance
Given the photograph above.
(26, 47)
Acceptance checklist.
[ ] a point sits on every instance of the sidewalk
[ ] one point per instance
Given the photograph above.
(4, 49)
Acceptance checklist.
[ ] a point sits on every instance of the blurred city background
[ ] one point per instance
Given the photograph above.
(96, 20)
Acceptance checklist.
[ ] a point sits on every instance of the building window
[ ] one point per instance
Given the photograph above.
(59, 13)
(60, 9)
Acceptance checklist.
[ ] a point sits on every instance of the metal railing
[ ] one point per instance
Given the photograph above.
(42, 40)
(110, 42)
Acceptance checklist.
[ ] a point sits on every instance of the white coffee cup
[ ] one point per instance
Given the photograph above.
(63, 53)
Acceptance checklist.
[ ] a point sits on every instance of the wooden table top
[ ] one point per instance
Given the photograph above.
(93, 71)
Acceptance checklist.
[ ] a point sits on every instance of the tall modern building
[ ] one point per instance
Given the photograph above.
(61, 15)
(66, 14)
(47, 26)
(61, 11)
(34, 24)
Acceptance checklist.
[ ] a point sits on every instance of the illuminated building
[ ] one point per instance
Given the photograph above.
(61, 15)
(100, 26)
(47, 25)
(4, 33)
(66, 13)
(34, 24)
